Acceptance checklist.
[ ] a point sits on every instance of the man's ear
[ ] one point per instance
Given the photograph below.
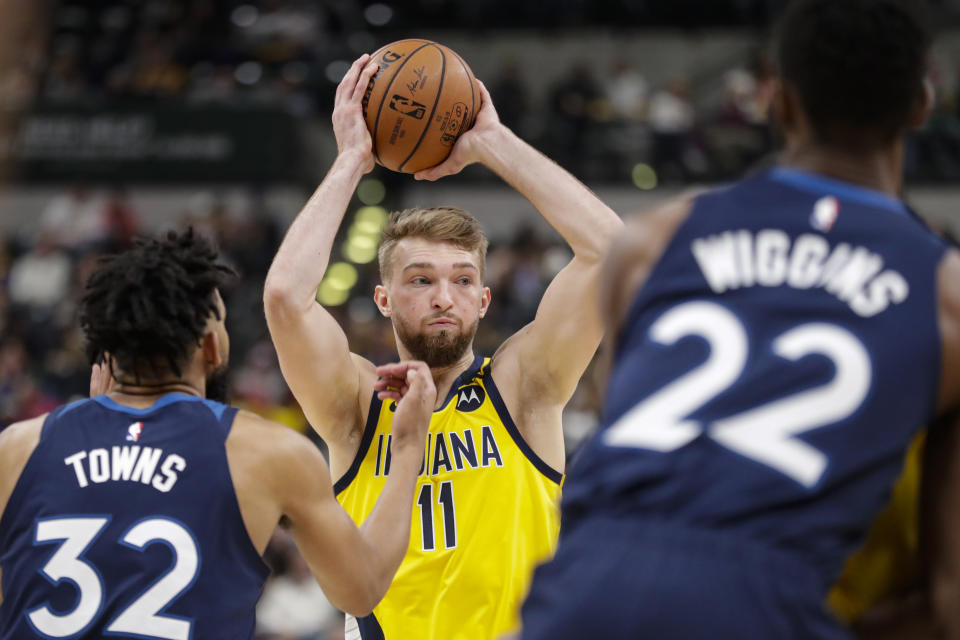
(210, 345)
(924, 105)
(382, 298)
(782, 107)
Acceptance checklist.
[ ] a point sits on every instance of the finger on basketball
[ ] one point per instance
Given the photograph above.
(361, 86)
(349, 81)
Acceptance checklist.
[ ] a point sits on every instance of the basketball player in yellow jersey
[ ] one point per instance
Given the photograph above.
(485, 511)
(887, 565)
(880, 593)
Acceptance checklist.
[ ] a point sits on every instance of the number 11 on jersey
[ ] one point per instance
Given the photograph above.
(445, 501)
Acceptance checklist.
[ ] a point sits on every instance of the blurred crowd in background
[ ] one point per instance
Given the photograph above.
(604, 124)
(600, 122)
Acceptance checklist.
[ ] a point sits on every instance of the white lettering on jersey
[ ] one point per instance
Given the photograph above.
(854, 275)
(127, 463)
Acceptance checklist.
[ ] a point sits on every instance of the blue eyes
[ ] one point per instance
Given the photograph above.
(466, 282)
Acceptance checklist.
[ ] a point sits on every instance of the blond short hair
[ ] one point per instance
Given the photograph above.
(437, 224)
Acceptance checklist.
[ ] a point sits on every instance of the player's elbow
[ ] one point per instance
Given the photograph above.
(280, 299)
(361, 600)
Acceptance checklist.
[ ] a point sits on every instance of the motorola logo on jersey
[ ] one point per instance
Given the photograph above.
(470, 398)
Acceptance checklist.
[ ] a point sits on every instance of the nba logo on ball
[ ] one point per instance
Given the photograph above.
(422, 98)
(825, 212)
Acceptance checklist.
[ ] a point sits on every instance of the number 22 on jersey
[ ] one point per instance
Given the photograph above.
(766, 433)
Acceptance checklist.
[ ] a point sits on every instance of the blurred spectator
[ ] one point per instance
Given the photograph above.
(738, 135)
(75, 219)
(626, 92)
(671, 120)
(120, 219)
(39, 278)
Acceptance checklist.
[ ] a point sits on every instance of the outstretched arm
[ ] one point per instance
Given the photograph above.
(314, 355)
(355, 567)
(557, 347)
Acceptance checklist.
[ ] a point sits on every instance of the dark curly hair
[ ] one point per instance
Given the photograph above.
(857, 65)
(149, 305)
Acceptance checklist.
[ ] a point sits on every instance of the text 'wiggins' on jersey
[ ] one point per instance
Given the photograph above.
(485, 514)
(125, 523)
(776, 398)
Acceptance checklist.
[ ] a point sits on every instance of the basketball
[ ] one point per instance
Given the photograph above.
(419, 102)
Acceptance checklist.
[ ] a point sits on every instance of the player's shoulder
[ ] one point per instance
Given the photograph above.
(270, 443)
(253, 428)
(649, 231)
(20, 437)
(643, 241)
(17, 444)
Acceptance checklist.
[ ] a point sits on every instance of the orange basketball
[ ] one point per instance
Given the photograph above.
(417, 105)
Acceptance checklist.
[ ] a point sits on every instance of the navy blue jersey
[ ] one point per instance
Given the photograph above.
(772, 370)
(125, 523)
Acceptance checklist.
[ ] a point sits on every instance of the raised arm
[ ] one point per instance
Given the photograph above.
(354, 566)
(314, 355)
(557, 346)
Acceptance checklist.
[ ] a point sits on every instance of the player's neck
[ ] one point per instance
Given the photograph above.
(878, 170)
(444, 377)
(145, 394)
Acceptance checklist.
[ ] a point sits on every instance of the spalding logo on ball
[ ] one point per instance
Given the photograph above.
(418, 103)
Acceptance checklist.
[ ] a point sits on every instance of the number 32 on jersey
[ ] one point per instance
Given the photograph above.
(765, 434)
(143, 616)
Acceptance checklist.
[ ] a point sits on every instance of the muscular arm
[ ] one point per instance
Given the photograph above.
(557, 346)
(314, 355)
(278, 472)
(940, 508)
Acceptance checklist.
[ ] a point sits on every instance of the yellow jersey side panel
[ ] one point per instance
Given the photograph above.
(887, 562)
(485, 514)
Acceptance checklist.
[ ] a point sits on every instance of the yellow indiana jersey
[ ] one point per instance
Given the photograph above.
(485, 514)
(887, 564)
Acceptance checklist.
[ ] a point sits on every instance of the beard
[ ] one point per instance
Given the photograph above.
(218, 385)
(440, 349)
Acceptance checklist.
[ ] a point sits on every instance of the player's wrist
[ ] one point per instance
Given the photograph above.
(406, 456)
(353, 158)
(492, 143)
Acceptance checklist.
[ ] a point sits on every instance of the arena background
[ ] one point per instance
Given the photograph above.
(120, 117)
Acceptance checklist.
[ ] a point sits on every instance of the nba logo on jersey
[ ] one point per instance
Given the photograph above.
(825, 211)
(134, 431)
